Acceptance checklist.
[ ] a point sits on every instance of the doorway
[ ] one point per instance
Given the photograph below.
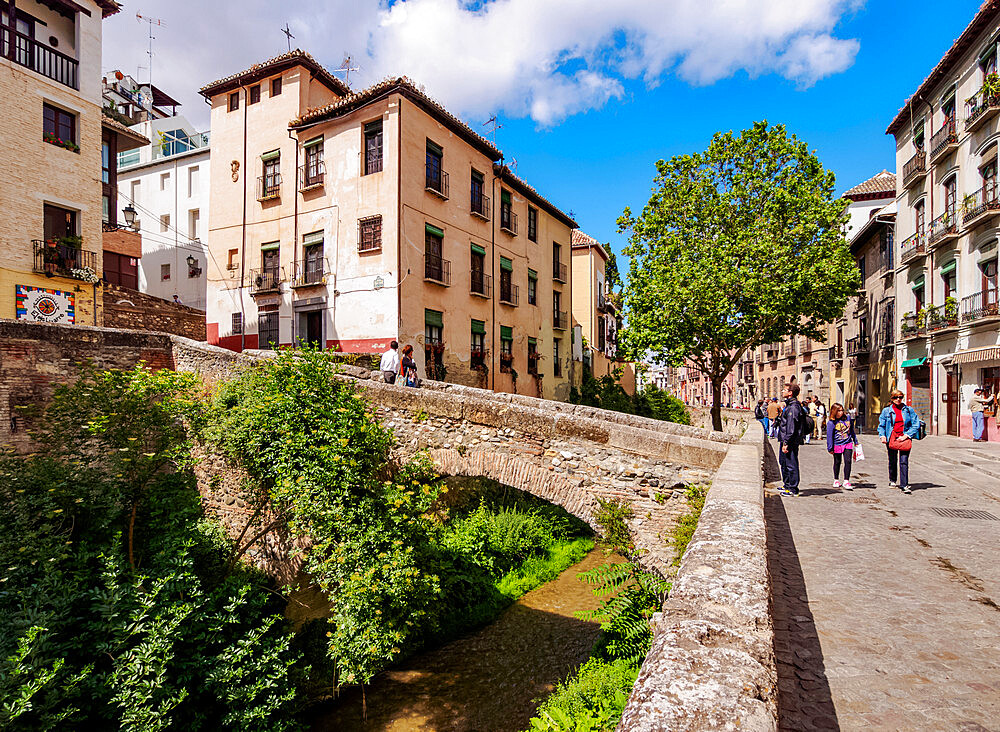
(951, 401)
(311, 328)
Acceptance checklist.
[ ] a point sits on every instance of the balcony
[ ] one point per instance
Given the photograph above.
(560, 320)
(913, 326)
(481, 284)
(886, 265)
(913, 247)
(942, 317)
(944, 140)
(980, 108)
(858, 346)
(602, 302)
(437, 270)
(436, 182)
(980, 206)
(861, 304)
(836, 353)
(172, 144)
(915, 169)
(63, 260)
(942, 229)
(981, 306)
(50, 63)
(508, 220)
(480, 206)
(269, 187)
(267, 279)
(310, 273)
(508, 293)
(559, 272)
(311, 176)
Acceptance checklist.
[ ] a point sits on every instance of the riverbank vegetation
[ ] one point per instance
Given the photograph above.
(607, 393)
(123, 606)
(593, 698)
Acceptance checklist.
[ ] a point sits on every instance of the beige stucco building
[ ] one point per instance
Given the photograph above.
(948, 223)
(51, 141)
(350, 219)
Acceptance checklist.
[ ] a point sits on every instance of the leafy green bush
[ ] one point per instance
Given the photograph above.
(683, 530)
(591, 700)
(611, 516)
(116, 611)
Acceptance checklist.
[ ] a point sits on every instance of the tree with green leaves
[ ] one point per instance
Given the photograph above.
(738, 246)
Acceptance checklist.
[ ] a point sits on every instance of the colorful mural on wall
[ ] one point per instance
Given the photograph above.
(45, 306)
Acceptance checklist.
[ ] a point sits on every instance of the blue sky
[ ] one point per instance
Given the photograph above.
(590, 93)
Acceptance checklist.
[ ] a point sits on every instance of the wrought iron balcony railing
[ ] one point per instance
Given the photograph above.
(309, 272)
(268, 186)
(508, 220)
(915, 168)
(944, 139)
(437, 269)
(836, 353)
(65, 260)
(480, 206)
(979, 108)
(508, 293)
(942, 316)
(559, 319)
(981, 205)
(911, 325)
(266, 279)
(913, 247)
(559, 271)
(981, 305)
(943, 228)
(860, 345)
(311, 176)
(40, 58)
(481, 284)
(436, 181)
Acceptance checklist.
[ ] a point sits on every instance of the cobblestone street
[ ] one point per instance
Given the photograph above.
(887, 606)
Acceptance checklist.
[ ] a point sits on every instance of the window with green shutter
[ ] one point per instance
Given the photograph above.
(506, 348)
(478, 345)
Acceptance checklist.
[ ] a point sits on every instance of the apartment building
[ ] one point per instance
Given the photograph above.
(593, 309)
(52, 140)
(335, 223)
(948, 222)
(861, 344)
(167, 182)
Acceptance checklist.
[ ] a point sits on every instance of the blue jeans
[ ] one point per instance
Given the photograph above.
(978, 425)
(904, 467)
(789, 463)
(766, 423)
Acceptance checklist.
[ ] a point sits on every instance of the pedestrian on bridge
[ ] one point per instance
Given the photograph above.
(773, 410)
(840, 442)
(898, 424)
(791, 433)
(760, 414)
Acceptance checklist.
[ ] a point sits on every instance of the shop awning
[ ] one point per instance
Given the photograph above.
(910, 363)
(976, 355)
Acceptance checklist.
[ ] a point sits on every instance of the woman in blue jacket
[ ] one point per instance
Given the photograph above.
(897, 426)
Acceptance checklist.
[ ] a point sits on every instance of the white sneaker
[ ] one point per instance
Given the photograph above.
(836, 484)
(848, 486)
(892, 484)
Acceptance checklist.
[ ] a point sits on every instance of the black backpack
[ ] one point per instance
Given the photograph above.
(808, 422)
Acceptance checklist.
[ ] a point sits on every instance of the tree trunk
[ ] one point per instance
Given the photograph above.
(717, 404)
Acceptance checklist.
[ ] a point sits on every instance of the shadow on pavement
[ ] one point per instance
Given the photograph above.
(804, 700)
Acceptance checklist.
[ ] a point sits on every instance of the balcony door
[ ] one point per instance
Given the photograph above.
(950, 198)
(951, 400)
(989, 270)
(58, 222)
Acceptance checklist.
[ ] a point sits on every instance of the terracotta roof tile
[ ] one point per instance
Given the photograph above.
(882, 185)
(118, 127)
(284, 60)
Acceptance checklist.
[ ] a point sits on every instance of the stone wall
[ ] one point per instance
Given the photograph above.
(734, 421)
(130, 309)
(711, 666)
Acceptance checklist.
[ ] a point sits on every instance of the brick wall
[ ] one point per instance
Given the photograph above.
(134, 310)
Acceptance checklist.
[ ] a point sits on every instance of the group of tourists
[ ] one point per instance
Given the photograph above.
(794, 423)
(391, 365)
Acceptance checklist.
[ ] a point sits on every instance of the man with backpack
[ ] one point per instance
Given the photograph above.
(760, 414)
(793, 425)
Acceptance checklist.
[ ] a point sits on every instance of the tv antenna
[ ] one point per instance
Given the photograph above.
(346, 67)
(151, 22)
(288, 36)
(494, 126)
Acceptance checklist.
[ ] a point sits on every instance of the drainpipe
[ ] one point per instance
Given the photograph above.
(493, 258)
(295, 235)
(243, 229)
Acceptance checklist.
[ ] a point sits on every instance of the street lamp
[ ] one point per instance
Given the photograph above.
(191, 261)
(129, 215)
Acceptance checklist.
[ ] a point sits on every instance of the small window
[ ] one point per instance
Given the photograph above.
(532, 287)
(237, 323)
(918, 136)
(192, 180)
(164, 223)
(164, 181)
(533, 356)
(164, 272)
(234, 101)
(194, 224)
(532, 224)
(370, 234)
(276, 86)
(556, 363)
(373, 147)
(254, 94)
(233, 260)
(314, 169)
(59, 126)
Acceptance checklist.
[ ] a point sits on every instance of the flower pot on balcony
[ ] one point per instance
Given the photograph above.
(437, 348)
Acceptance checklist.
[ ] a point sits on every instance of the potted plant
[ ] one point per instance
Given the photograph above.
(990, 89)
(968, 203)
(951, 310)
(438, 347)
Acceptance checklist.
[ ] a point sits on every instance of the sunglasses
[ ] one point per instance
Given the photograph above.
(896, 397)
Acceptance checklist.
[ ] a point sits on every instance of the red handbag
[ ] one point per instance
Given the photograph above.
(895, 443)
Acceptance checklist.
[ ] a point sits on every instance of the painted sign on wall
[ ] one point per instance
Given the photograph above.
(44, 306)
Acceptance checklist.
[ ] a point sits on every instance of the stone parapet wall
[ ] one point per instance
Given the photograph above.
(711, 665)
(734, 421)
(131, 309)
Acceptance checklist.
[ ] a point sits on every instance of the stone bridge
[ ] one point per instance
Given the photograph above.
(712, 665)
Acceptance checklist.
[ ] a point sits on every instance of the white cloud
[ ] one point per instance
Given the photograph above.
(546, 59)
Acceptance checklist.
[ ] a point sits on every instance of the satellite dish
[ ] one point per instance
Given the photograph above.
(119, 75)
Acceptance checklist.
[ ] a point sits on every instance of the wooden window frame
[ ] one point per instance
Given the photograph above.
(254, 96)
(370, 234)
(234, 101)
(276, 86)
(62, 124)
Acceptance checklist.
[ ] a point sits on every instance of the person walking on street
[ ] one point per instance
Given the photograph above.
(810, 406)
(898, 424)
(791, 431)
(389, 365)
(977, 406)
(773, 410)
(760, 414)
(840, 442)
(821, 416)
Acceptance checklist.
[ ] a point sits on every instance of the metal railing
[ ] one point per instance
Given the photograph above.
(836, 353)
(915, 167)
(51, 258)
(942, 227)
(940, 317)
(437, 269)
(50, 63)
(436, 181)
(980, 203)
(171, 145)
(309, 272)
(508, 220)
(481, 284)
(979, 108)
(944, 138)
(859, 345)
(268, 186)
(559, 319)
(313, 179)
(266, 279)
(912, 247)
(979, 305)
(559, 271)
(480, 206)
(370, 234)
(372, 162)
(509, 293)
(912, 325)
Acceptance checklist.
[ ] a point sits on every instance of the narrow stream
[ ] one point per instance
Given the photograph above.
(487, 681)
